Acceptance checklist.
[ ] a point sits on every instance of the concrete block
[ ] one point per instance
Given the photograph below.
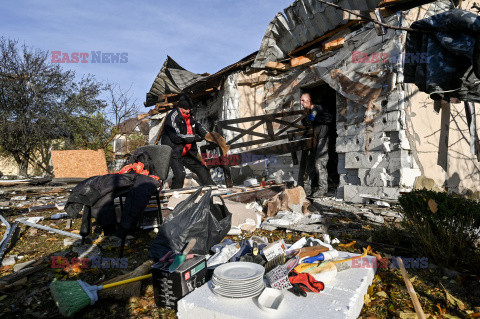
(408, 177)
(351, 177)
(392, 102)
(384, 122)
(341, 164)
(391, 161)
(343, 298)
(374, 177)
(364, 142)
(352, 193)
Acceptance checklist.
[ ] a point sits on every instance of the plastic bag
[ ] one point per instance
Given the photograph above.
(205, 221)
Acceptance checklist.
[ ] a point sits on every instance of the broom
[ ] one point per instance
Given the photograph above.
(72, 296)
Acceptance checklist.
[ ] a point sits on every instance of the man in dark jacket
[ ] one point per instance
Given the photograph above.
(181, 132)
(318, 118)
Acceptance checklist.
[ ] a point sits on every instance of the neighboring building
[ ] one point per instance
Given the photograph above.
(131, 134)
(388, 132)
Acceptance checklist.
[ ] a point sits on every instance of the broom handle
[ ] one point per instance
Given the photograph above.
(411, 291)
(126, 281)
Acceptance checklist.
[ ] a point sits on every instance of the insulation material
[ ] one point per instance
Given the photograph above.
(79, 163)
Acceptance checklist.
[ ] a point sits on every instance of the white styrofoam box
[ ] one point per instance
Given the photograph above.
(343, 298)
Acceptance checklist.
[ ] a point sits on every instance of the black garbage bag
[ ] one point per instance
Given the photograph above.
(205, 221)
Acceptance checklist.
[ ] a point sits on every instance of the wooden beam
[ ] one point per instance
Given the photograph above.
(239, 136)
(333, 45)
(299, 61)
(323, 37)
(259, 117)
(276, 66)
(244, 131)
(350, 16)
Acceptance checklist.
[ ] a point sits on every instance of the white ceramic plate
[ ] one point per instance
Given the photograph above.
(239, 271)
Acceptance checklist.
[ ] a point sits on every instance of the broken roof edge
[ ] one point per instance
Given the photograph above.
(171, 79)
(305, 21)
(198, 88)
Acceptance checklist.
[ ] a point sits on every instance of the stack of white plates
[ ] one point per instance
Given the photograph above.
(238, 280)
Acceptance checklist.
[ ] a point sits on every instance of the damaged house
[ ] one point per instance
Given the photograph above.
(390, 134)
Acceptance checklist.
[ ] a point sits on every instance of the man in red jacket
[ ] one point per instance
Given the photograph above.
(182, 132)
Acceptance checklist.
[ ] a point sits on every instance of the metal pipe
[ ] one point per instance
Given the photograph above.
(58, 231)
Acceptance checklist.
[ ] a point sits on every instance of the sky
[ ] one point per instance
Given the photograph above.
(201, 35)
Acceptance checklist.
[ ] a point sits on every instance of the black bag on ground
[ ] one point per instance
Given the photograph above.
(205, 221)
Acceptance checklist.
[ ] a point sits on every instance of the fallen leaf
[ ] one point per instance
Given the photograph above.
(347, 245)
(454, 301)
(432, 205)
(3, 297)
(408, 315)
(367, 300)
(382, 294)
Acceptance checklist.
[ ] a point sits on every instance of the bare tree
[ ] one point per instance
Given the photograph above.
(39, 102)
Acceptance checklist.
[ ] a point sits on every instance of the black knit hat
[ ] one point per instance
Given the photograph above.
(185, 102)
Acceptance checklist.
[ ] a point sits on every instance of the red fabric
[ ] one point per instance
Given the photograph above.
(138, 168)
(187, 147)
(307, 280)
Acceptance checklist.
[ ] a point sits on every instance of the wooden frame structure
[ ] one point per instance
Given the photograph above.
(297, 137)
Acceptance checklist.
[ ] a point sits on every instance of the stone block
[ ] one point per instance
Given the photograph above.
(391, 161)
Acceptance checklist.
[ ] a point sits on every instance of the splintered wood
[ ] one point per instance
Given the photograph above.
(79, 163)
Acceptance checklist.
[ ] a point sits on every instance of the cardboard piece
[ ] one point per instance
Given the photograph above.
(79, 163)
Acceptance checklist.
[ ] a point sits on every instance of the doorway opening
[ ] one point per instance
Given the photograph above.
(324, 95)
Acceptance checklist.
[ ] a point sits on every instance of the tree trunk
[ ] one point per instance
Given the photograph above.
(22, 163)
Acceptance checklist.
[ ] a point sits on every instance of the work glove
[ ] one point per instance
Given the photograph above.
(307, 282)
(311, 117)
(297, 290)
(198, 138)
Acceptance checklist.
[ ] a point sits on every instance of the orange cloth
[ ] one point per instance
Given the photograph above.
(138, 168)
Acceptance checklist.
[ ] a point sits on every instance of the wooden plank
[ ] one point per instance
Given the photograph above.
(244, 131)
(321, 38)
(300, 61)
(236, 138)
(333, 45)
(226, 169)
(348, 16)
(258, 117)
(283, 148)
(270, 131)
(276, 66)
(262, 141)
(290, 124)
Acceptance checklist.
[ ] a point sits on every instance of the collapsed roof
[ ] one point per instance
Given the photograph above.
(171, 79)
(303, 21)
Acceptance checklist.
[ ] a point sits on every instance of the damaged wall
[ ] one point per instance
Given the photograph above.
(443, 145)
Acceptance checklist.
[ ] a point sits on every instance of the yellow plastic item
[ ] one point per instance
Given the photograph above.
(126, 281)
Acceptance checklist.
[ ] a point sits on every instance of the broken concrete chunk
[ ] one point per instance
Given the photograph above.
(10, 260)
(21, 266)
(71, 241)
(87, 251)
(19, 198)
